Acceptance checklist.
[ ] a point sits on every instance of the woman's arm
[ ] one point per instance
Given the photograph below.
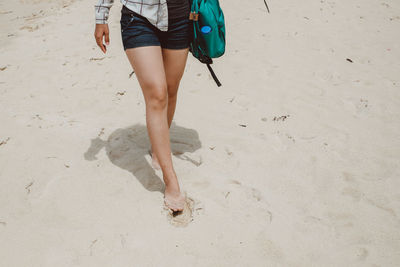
(102, 10)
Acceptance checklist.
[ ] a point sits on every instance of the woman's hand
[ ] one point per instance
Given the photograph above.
(100, 31)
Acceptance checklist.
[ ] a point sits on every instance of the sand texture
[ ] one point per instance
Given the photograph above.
(293, 161)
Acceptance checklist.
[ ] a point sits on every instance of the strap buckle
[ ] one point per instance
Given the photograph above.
(194, 16)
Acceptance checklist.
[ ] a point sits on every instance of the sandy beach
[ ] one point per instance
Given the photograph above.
(293, 161)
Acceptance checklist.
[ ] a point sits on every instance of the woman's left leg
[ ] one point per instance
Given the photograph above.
(174, 65)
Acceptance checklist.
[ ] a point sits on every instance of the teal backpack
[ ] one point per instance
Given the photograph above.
(208, 40)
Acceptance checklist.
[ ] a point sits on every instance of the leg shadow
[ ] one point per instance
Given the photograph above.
(127, 148)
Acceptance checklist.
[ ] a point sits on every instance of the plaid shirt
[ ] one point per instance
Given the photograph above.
(156, 11)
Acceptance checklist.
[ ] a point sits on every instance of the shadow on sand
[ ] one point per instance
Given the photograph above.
(127, 148)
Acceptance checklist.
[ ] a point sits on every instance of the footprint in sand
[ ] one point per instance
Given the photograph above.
(362, 106)
(183, 218)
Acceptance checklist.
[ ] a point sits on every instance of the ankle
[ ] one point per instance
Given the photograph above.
(172, 186)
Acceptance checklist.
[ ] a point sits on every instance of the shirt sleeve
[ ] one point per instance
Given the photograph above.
(102, 10)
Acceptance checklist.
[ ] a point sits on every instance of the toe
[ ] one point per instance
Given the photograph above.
(176, 205)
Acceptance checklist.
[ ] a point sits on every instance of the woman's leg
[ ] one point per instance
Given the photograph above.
(174, 65)
(147, 62)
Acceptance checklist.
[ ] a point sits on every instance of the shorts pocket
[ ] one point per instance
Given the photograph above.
(125, 21)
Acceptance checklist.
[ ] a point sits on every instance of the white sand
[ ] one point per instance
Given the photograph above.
(316, 186)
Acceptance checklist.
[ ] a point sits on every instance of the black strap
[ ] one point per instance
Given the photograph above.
(265, 2)
(213, 75)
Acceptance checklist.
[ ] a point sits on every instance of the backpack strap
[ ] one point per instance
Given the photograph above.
(213, 75)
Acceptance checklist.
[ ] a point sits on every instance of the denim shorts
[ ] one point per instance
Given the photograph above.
(137, 31)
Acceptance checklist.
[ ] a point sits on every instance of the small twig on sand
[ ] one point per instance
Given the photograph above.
(4, 141)
(96, 58)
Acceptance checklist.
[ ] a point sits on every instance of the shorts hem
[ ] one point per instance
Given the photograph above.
(141, 44)
(175, 47)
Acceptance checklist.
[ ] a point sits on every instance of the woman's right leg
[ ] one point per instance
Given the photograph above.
(147, 63)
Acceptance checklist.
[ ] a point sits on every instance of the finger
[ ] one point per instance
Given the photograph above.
(101, 45)
(107, 38)
(99, 41)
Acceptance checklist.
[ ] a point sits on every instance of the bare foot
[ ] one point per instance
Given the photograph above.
(174, 200)
(154, 161)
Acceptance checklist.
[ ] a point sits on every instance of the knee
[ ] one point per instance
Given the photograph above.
(172, 95)
(173, 90)
(158, 98)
